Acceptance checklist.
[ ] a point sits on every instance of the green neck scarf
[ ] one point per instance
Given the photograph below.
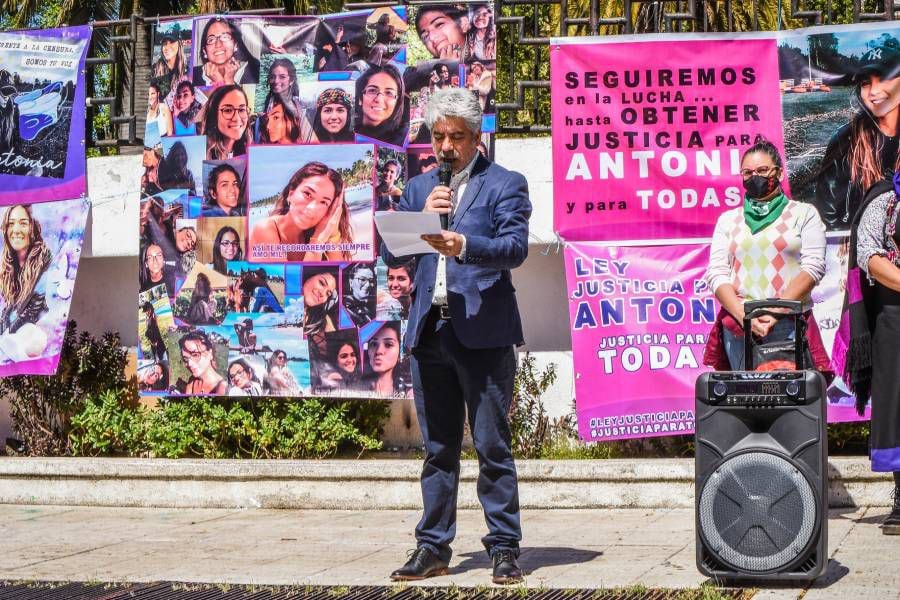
(759, 215)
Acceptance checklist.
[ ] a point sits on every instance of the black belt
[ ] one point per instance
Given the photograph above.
(442, 311)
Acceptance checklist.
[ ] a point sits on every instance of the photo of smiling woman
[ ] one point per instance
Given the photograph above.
(442, 29)
(224, 193)
(171, 65)
(340, 368)
(332, 122)
(865, 150)
(381, 107)
(153, 376)
(222, 57)
(226, 123)
(23, 261)
(310, 210)
(226, 247)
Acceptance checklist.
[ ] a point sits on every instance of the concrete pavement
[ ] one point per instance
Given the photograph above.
(565, 548)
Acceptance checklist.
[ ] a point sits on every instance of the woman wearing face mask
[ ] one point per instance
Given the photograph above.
(310, 210)
(865, 150)
(223, 193)
(767, 224)
(226, 247)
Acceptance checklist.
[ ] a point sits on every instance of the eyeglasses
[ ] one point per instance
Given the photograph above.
(229, 244)
(238, 372)
(229, 111)
(374, 91)
(225, 38)
(155, 257)
(761, 171)
(363, 279)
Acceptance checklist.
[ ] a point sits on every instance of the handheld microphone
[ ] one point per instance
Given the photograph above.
(445, 172)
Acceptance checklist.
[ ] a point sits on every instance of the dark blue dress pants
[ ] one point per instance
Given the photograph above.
(450, 380)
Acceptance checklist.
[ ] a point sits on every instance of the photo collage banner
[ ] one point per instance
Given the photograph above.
(270, 143)
(647, 157)
(43, 191)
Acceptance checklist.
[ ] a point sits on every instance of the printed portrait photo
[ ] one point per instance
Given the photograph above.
(312, 203)
(840, 100)
(223, 188)
(198, 362)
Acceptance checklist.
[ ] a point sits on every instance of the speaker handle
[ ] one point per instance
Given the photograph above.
(791, 308)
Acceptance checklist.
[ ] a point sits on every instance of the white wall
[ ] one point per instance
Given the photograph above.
(106, 289)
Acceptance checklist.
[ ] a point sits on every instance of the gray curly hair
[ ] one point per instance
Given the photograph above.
(454, 102)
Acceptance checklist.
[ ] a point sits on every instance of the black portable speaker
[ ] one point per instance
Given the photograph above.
(761, 475)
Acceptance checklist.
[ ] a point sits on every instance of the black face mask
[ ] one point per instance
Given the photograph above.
(758, 186)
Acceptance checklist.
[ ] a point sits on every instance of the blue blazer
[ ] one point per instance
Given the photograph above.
(493, 216)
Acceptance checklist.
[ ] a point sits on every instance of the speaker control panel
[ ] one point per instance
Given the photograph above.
(752, 389)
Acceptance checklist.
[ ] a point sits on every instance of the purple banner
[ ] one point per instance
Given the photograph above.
(38, 263)
(42, 114)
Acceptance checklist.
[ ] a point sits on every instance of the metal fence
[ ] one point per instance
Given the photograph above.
(524, 28)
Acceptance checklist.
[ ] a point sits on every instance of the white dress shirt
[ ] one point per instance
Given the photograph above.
(458, 185)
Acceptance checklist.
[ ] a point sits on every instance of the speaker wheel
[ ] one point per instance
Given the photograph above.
(757, 512)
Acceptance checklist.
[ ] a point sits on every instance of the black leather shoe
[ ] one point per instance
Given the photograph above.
(422, 563)
(891, 525)
(506, 568)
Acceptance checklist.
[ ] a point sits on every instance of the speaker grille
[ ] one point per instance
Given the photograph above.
(757, 512)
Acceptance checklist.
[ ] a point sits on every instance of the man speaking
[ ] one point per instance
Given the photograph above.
(463, 328)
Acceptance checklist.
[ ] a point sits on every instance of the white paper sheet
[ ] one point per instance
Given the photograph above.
(402, 231)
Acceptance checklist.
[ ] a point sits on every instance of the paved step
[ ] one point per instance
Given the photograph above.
(375, 484)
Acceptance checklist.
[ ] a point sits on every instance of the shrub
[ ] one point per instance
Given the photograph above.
(42, 407)
(227, 428)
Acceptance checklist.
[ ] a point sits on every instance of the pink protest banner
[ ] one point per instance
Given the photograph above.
(647, 134)
(640, 317)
